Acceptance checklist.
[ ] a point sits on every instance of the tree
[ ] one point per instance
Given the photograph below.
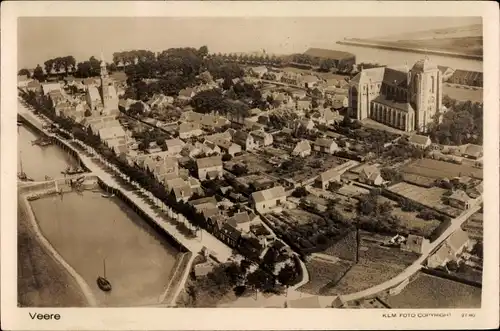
(38, 74)
(287, 275)
(226, 157)
(24, 72)
(260, 280)
(136, 109)
(299, 192)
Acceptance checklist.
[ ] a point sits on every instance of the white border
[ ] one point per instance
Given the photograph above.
(14, 318)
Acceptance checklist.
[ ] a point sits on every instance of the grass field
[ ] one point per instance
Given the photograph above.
(299, 216)
(375, 265)
(410, 221)
(428, 291)
(474, 226)
(440, 169)
(462, 93)
(429, 197)
(323, 275)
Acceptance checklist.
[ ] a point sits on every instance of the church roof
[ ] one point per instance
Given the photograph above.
(404, 106)
(94, 93)
(423, 65)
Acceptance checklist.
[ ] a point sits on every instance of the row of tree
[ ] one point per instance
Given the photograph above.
(145, 178)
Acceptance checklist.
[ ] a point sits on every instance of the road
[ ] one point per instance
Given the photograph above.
(325, 301)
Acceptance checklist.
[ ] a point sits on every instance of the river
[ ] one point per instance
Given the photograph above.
(396, 58)
(87, 229)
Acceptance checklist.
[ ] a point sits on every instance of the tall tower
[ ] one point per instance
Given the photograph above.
(425, 92)
(104, 72)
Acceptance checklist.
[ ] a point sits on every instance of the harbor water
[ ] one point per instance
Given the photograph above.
(97, 235)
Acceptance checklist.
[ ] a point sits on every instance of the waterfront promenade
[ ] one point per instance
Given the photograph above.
(106, 172)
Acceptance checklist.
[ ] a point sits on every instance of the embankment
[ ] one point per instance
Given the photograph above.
(361, 43)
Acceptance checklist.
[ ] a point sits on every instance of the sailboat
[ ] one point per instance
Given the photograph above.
(22, 175)
(102, 282)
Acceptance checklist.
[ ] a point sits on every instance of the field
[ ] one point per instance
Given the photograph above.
(254, 163)
(429, 197)
(376, 265)
(299, 217)
(429, 292)
(323, 275)
(474, 226)
(462, 93)
(308, 168)
(440, 169)
(410, 221)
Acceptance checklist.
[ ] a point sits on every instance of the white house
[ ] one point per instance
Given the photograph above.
(189, 129)
(302, 149)
(371, 175)
(262, 138)
(266, 200)
(209, 167)
(325, 145)
(420, 141)
(327, 177)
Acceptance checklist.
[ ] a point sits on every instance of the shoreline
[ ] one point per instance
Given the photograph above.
(367, 44)
(53, 254)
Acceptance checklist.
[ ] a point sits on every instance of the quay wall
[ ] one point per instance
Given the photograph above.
(72, 151)
(164, 234)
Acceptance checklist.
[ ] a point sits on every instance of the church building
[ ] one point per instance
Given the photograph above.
(103, 100)
(405, 99)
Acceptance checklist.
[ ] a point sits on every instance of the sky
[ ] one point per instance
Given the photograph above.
(42, 38)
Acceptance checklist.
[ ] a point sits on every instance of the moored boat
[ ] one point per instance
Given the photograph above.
(102, 282)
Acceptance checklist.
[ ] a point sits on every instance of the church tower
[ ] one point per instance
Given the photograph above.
(106, 93)
(104, 72)
(425, 92)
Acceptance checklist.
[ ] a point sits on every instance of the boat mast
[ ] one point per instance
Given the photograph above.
(21, 162)
(104, 265)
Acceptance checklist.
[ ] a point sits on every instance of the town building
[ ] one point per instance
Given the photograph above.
(49, 87)
(302, 149)
(309, 81)
(406, 99)
(262, 138)
(465, 77)
(371, 175)
(460, 199)
(189, 129)
(245, 140)
(474, 152)
(186, 94)
(174, 146)
(419, 141)
(325, 145)
(446, 72)
(266, 200)
(327, 177)
(209, 167)
(258, 71)
(162, 166)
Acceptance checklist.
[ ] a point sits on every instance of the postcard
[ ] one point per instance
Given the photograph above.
(317, 165)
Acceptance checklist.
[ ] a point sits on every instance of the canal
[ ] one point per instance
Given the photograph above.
(90, 231)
